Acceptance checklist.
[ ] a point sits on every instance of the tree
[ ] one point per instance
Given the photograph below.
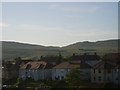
(59, 58)
(73, 78)
(18, 61)
(18, 81)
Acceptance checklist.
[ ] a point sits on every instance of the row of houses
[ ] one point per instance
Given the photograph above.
(92, 68)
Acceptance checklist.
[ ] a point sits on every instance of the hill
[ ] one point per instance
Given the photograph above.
(100, 47)
(11, 50)
(16, 49)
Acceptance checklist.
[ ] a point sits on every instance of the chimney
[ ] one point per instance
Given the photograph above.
(95, 53)
(84, 56)
(73, 54)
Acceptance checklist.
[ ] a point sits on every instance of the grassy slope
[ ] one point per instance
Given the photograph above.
(14, 49)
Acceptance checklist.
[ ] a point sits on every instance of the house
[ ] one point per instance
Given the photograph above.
(36, 70)
(87, 62)
(85, 70)
(98, 73)
(105, 72)
(60, 71)
(112, 57)
(87, 58)
(54, 60)
(81, 62)
(116, 75)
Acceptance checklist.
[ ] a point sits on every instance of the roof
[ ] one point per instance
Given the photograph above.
(75, 61)
(92, 63)
(26, 60)
(118, 66)
(91, 57)
(85, 57)
(64, 65)
(106, 65)
(35, 65)
(76, 57)
(114, 57)
(85, 65)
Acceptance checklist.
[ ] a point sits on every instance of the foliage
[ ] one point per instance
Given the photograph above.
(18, 81)
(59, 84)
(73, 78)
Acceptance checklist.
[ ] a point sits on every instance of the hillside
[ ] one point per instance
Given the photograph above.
(14, 49)
(100, 47)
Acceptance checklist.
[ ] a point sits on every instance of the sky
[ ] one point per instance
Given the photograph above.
(60, 23)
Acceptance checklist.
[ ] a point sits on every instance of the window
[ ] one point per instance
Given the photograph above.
(62, 71)
(94, 70)
(109, 70)
(117, 70)
(99, 78)
(116, 78)
(99, 70)
(94, 78)
(26, 73)
(58, 77)
(62, 77)
(108, 79)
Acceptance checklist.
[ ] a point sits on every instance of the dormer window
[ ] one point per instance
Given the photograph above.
(99, 70)
(28, 66)
(41, 66)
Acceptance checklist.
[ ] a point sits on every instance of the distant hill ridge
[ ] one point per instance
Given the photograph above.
(13, 49)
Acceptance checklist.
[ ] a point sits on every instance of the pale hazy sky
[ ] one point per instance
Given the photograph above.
(59, 24)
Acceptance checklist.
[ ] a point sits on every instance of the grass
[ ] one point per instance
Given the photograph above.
(11, 81)
(29, 83)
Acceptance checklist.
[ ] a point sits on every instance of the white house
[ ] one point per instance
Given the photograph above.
(97, 73)
(87, 61)
(105, 72)
(37, 70)
(116, 76)
(59, 72)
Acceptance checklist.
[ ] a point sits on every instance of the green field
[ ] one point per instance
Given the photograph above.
(10, 50)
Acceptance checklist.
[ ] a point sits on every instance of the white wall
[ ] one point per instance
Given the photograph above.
(85, 74)
(35, 74)
(116, 74)
(108, 76)
(59, 73)
(97, 75)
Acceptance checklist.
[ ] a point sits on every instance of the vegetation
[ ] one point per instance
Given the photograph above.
(19, 80)
(73, 78)
(11, 50)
